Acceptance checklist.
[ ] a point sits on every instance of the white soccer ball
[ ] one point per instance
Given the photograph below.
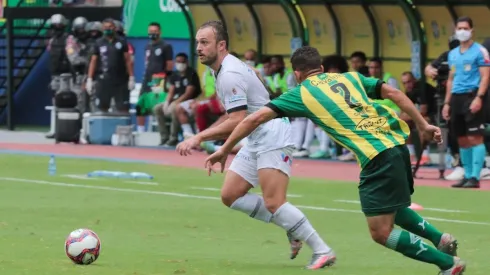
(82, 246)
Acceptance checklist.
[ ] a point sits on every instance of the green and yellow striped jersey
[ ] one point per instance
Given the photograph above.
(343, 106)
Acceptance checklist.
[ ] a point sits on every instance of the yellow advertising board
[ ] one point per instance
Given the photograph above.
(320, 28)
(241, 28)
(356, 30)
(202, 14)
(439, 27)
(481, 20)
(394, 31)
(276, 29)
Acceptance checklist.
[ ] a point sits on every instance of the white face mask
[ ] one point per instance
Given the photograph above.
(180, 67)
(463, 35)
(250, 63)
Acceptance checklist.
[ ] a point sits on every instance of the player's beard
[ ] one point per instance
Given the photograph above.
(210, 59)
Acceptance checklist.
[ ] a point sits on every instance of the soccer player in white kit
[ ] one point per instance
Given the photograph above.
(266, 159)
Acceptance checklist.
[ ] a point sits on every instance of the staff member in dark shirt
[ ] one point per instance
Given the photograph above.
(116, 76)
(423, 95)
(184, 85)
(159, 60)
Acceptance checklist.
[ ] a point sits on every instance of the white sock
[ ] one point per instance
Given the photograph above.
(425, 153)
(295, 222)
(217, 147)
(309, 135)
(52, 124)
(324, 141)
(254, 206)
(411, 149)
(298, 126)
(141, 128)
(187, 129)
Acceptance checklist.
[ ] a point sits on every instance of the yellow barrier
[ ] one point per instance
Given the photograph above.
(241, 28)
(356, 30)
(276, 29)
(320, 28)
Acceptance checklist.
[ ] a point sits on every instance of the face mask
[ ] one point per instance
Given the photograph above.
(463, 35)
(180, 67)
(108, 32)
(153, 36)
(250, 63)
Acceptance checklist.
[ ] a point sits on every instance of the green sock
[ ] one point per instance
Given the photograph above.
(413, 222)
(413, 247)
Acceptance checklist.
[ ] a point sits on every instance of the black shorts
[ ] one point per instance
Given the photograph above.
(105, 90)
(463, 122)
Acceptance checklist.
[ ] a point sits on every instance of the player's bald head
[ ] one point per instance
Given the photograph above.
(220, 33)
(306, 59)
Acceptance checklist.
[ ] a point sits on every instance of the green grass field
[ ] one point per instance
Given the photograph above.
(149, 229)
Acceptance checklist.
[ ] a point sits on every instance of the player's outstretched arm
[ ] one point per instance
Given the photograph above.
(247, 126)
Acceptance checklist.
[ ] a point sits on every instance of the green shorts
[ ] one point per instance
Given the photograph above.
(386, 182)
(147, 101)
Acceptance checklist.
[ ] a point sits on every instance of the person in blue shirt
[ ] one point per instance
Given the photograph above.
(466, 88)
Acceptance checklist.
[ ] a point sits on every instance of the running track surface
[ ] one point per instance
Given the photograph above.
(328, 170)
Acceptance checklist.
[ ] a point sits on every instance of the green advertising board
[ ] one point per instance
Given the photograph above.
(139, 13)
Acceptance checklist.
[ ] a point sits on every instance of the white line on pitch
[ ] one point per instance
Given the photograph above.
(217, 189)
(183, 195)
(143, 182)
(206, 188)
(79, 177)
(425, 208)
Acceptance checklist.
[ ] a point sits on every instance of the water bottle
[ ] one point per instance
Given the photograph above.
(333, 151)
(52, 166)
(139, 175)
(449, 160)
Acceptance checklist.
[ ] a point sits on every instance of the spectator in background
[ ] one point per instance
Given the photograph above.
(250, 57)
(78, 51)
(283, 77)
(376, 70)
(266, 72)
(184, 85)
(94, 30)
(58, 60)
(422, 95)
(208, 110)
(466, 89)
(115, 78)
(358, 62)
(158, 60)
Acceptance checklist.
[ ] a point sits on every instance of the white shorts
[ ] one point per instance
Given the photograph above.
(186, 105)
(247, 164)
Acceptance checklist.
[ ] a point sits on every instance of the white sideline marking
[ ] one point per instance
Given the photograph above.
(206, 188)
(143, 182)
(425, 208)
(348, 201)
(182, 195)
(217, 189)
(79, 177)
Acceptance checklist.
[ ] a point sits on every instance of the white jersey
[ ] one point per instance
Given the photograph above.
(239, 88)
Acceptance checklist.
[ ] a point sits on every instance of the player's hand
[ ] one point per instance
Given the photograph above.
(89, 85)
(475, 105)
(445, 111)
(431, 132)
(185, 147)
(432, 73)
(218, 156)
(131, 83)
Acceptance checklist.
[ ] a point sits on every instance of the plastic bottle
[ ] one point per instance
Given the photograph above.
(449, 160)
(52, 166)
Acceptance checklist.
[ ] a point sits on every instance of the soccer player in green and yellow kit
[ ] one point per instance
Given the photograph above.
(343, 106)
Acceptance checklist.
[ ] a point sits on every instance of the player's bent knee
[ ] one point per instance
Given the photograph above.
(233, 188)
(380, 227)
(274, 184)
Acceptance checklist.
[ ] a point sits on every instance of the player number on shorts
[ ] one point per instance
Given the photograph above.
(340, 88)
